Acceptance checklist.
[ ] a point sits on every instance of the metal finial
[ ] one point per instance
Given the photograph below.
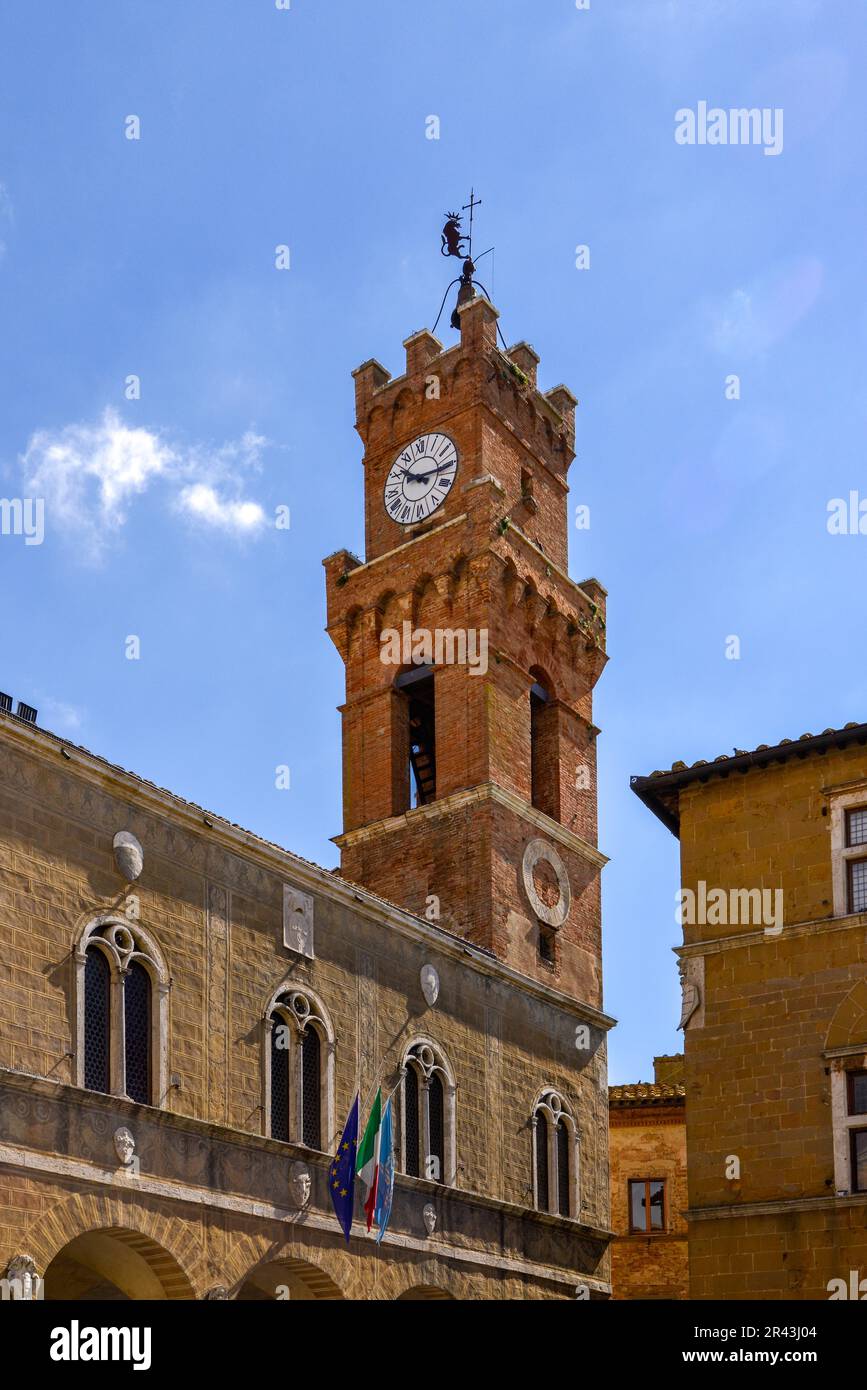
(455, 242)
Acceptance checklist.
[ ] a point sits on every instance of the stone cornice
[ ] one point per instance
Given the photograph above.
(818, 926)
(234, 839)
(398, 549)
(473, 796)
(774, 1206)
(645, 1117)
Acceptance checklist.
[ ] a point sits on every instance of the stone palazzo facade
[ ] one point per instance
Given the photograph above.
(773, 846)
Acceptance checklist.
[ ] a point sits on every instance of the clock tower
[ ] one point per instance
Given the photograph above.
(469, 749)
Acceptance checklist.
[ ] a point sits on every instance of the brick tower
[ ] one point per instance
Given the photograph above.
(469, 757)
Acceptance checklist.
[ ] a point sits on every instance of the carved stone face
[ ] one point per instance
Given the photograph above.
(299, 1183)
(21, 1273)
(430, 984)
(124, 1145)
(429, 1212)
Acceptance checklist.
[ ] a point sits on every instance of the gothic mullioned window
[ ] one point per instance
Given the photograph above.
(428, 1136)
(299, 1070)
(554, 1156)
(137, 1032)
(122, 991)
(97, 1019)
(411, 1129)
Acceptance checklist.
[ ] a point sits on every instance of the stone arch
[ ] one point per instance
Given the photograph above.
(375, 421)
(403, 410)
(461, 369)
(390, 611)
(424, 599)
(848, 1026)
(513, 582)
(169, 1248)
(301, 1279)
(540, 676)
(409, 1279)
(326, 1270)
(423, 1292)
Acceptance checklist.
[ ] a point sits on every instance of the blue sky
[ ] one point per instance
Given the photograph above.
(306, 127)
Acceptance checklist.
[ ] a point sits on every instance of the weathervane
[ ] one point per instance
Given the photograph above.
(454, 242)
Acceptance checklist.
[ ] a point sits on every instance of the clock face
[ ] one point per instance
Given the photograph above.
(420, 478)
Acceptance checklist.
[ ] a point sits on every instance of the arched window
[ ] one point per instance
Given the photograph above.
(137, 1032)
(563, 1203)
(299, 1070)
(415, 738)
(541, 1148)
(555, 1156)
(279, 1078)
(121, 991)
(428, 1114)
(411, 1130)
(97, 1025)
(311, 1106)
(544, 748)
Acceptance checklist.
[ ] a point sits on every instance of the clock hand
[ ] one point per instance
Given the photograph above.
(419, 477)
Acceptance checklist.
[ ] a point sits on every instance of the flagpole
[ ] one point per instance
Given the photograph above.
(377, 1084)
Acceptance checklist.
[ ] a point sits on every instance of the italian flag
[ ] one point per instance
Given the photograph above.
(367, 1162)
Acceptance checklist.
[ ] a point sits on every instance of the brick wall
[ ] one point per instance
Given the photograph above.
(649, 1141)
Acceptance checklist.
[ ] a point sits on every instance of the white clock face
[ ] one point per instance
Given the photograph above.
(420, 478)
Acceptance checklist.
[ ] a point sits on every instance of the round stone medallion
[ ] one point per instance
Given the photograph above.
(546, 883)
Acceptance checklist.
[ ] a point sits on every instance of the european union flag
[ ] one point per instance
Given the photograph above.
(341, 1172)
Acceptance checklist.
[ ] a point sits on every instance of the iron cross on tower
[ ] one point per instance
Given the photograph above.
(469, 207)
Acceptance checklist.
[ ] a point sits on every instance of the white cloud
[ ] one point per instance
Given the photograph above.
(89, 475)
(203, 503)
(57, 715)
(751, 320)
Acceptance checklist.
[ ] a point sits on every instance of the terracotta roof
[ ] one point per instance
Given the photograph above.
(645, 1093)
(660, 790)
